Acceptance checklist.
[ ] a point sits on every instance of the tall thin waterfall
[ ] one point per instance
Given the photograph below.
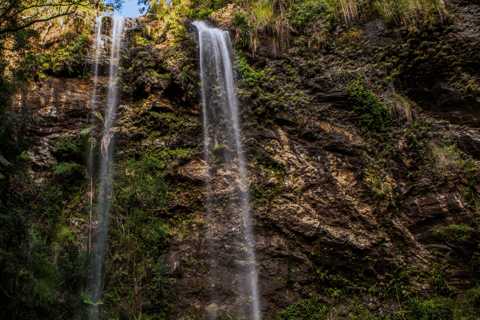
(220, 108)
(93, 106)
(106, 169)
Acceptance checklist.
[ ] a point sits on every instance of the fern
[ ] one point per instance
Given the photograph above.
(98, 114)
(87, 299)
(66, 167)
(86, 131)
(4, 161)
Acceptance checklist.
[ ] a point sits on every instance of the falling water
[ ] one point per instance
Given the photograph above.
(97, 48)
(106, 169)
(219, 97)
(93, 106)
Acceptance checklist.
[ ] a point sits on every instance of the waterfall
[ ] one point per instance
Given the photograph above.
(93, 106)
(106, 169)
(220, 108)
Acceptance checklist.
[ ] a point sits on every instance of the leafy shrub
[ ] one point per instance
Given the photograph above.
(69, 57)
(419, 309)
(139, 192)
(240, 20)
(160, 285)
(249, 75)
(440, 283)
(311, 11)
(448, 160)
(200, 13)
(373, 115)
(308, 309)
(69, 150)
(65, 167)
(34, 287)
(140, 184)
(475, 267)
(456, 232)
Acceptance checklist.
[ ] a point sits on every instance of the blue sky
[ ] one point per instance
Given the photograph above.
(130, 9)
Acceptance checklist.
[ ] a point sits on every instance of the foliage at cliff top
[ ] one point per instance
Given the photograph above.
(282, 19)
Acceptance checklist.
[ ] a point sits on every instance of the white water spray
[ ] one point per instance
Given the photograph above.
(218, 89)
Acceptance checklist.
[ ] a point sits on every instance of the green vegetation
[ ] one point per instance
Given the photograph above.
(308, 13)
(41, 260)
(314, 17)
(240, 20)
(19, 16)
(308, 309)
(69, 149)
(462, 307)
(70, 57)
(373, 116)
(448, 161)
(460, 232)
(138, 240)
(249, 76)
(43, 229)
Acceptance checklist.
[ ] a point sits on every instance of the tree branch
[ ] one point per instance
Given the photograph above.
(28, 24)
(16, 14)
(8, 9)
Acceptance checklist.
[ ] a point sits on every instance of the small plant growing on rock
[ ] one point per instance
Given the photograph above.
(250, 76)
(311, 308)
(373, 115)
(457, 232)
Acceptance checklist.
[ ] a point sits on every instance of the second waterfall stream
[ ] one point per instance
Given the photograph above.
(222, 137)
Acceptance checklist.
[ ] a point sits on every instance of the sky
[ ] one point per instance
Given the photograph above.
(129, 9)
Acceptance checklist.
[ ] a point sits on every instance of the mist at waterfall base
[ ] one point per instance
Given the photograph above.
(106, 167)
(220, 107)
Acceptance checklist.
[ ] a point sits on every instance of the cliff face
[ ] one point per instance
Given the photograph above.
(356, 214)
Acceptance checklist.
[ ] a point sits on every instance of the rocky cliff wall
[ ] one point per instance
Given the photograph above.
(346, 213)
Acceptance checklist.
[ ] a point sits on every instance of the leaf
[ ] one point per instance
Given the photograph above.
(4, 161)
(65, 167)
(31, 232)
(87, 299)
(2, 176)
(98, 114)
(85, 131)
